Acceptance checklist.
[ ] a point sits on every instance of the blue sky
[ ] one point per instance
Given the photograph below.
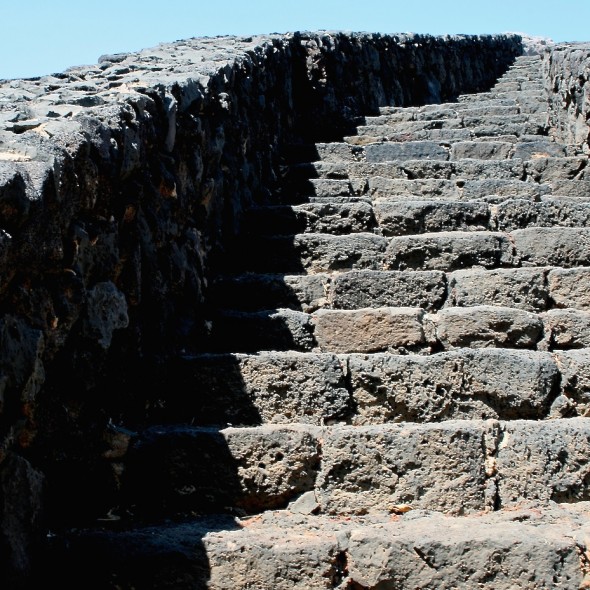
(44, 36)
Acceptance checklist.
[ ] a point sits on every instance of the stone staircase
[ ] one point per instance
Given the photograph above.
(396, 388)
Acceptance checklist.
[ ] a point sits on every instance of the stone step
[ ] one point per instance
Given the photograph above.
(364, 175)
(458, 189)
(535, 246)
(328, 388)
(455, 466)
(464, 104)
(332, 218)
(529, 124)
(446, 251)
(491, 190)
(535, 289)
(444, 111)
(295, 549)
(307, 253)
(396, 217)
(398, 329)
(443, 149)
(338, 157)
(520, 96)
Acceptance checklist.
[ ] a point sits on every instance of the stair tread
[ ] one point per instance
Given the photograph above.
(289, 550)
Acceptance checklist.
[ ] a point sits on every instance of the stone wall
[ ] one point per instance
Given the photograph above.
(120, 183)
(567, 70)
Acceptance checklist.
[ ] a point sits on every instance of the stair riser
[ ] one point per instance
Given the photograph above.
(456, 467)
(398, 218)
(283, 552)
(381, 161)
(529, 289)
(443, 251)
(323, 388)
(400, 329)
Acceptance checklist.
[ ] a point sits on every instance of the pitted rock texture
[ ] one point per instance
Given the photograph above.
(328, 303)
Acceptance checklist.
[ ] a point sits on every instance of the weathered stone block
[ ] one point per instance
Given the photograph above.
(281, 329)
(358, 289)
(486, 326)
(552, 168)
(566, 328)
(488, 150)
(397, 218)
(368, 330)
(449, 251)
(474, 384)
(406, 388)
(544, 461)
(176, 469)
(430, 466)
(575, 378)
(521, 288)
(383, 152)
(553, 246)
(569, 287)
(444, 553)
(269, 387)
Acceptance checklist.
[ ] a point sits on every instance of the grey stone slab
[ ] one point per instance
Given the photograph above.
(464, 384)
(550, 212)
(430, 466)
(574, 366)
(488, 150)
(419, 550)
(446, 554)
(255, 292)
(486, 326)
(492, 169)
(477, 189)
(570, 188)
(336, 152)
(369, 330)
(566, 328)
(331, 218)
(280, 329)
(449, 251)
(552, 246)
(264, 388)
(397, 218)
(411, 150)
(549, 169)
(569, 287)
(538, 149)
(311, 253)
(425, 188)
(181, 468)
(545, 461)
(520, 288)
(358, 289)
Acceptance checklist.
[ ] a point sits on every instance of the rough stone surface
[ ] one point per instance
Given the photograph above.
(568, 287)
(271, 387)
(357, 289)
(449, 251)
(487, 326)
(543, 461)
(368, 330)
(435, 466)
(179, 469)
(520, 288)
(477, 384)
(185, 230)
